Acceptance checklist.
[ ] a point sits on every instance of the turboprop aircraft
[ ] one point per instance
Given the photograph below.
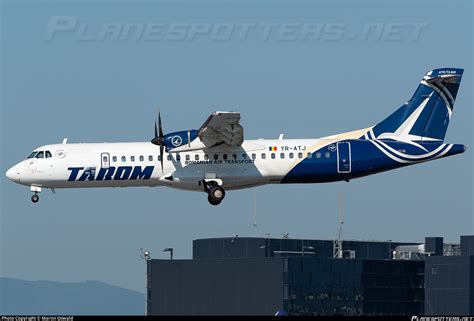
(216, 158)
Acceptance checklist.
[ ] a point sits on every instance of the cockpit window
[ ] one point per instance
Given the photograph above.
(40, 155)
(32, 155)
(48, 154)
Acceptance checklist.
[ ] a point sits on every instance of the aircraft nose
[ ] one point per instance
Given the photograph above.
(13, 174)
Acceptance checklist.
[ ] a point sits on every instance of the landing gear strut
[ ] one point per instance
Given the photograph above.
(215, 192)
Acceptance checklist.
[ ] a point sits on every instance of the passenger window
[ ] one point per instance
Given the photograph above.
(234, 156)
(224, 156)
(168, 157)
(40, 155)
(48, 154)
(159, 158)
(291, 155)
(114, 159)
(142, 158)
(309, 155)
(196, 157)
(282, 155)
(273, 156)
(216, 157)
(264, 155)
(104, 159)
(188, 157)
(254, 156)
(124, 159)
(300, 155)
(132, 158)
(244, 156)
(32, 155)
(318, 155)
(150, 158)
(327, 154)
(178, 157)
(206, 157)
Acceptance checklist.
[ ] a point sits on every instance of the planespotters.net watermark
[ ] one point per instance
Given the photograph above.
(447, 318)
(79, 30)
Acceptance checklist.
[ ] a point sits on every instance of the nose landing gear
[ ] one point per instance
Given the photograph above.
(35, 198)
(215, 192)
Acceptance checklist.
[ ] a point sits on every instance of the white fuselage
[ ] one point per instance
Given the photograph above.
(79, 165)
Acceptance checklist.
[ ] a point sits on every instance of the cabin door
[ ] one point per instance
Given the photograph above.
(344, 157)
(105, 160)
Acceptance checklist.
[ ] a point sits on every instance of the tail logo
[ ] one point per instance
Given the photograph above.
(426, 116)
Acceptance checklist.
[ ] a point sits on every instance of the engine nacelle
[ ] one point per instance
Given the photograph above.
(177, 139)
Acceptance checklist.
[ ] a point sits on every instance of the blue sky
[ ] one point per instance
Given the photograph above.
(93, 87)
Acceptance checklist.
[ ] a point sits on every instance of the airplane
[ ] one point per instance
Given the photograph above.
(216, 158)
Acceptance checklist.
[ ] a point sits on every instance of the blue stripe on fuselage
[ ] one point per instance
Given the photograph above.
(368, 157)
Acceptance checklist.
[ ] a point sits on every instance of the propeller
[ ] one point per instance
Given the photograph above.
(159, 138)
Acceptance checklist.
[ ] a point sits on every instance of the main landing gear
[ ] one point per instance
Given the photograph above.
(35, 198)
(215, 192)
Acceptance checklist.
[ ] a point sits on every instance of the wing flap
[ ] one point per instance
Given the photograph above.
(222, 127)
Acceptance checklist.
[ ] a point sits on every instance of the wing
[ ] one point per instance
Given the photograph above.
(222, 127)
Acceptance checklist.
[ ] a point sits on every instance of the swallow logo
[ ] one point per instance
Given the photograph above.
(60, 153)
(176, 140)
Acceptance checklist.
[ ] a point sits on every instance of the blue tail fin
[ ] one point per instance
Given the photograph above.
(426, 115)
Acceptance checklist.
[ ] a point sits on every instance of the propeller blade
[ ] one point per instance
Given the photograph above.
(161, 156)
(159, 125)
(159, 136)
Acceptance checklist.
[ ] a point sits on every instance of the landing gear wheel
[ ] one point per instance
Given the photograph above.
(35, 198)
(216, 195)
(211, 201)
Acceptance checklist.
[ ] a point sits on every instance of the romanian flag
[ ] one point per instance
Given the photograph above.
(272, 148)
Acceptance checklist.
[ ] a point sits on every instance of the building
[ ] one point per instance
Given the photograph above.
(261, 276)
(449, 281)
(253, 247)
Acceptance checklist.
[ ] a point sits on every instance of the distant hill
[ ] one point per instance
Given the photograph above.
(56, 298)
